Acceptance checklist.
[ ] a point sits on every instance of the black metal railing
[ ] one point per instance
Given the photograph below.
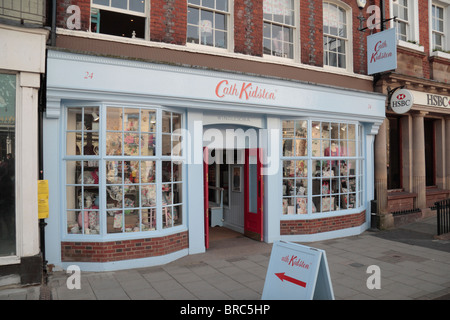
(443, 216)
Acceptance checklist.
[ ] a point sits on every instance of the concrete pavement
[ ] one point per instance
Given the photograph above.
(413, 265)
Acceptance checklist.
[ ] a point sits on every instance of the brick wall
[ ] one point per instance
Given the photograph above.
(248, 27)
(311, 226)
(168, 20)
(124, 249)
(62, 15)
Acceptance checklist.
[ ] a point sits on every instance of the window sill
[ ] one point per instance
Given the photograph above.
(411, 46)
(321, 215)
(440, 54)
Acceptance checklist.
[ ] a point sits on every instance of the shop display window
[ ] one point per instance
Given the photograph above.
(131, 182)
(329, 178)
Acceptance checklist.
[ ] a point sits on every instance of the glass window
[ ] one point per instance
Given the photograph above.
(329, 178)
(438, 28)
(124, 18)
(127, 184)
(335, 36)
(207, 22)
(279, 27)
(7, 164)
(401, 11)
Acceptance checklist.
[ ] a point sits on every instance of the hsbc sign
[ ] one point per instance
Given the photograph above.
(401, 101)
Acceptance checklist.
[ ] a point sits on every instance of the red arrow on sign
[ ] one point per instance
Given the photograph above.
(282, 276)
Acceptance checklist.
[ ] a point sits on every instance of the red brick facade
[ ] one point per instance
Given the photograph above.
(123, 249)
(312, 226)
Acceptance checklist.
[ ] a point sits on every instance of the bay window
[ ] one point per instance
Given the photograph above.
(322, 166)
(123, 170)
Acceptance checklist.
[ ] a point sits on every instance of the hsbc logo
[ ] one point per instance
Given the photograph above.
(401, 101)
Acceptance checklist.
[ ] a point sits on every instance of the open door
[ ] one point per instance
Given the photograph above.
(253, 193)
(206, 195)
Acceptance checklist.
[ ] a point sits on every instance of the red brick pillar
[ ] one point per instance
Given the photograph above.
(168, 21)
(248, 27)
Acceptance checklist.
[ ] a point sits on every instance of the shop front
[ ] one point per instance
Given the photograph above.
(414, 142)
(143, 160)
(22, 63)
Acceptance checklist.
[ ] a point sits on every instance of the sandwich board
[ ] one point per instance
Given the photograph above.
(297, 272)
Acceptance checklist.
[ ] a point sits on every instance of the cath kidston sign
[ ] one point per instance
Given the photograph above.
(382, 51)
(297, 272)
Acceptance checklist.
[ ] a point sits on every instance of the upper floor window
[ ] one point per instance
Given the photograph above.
(406, 22)
(124, 18)
(335, 35)
(279, 28)
(402, 12)
(439, 27)
(208, 22)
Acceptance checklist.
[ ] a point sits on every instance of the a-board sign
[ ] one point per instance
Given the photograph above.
(297, 272)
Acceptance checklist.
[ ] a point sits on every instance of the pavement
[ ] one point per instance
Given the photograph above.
(413, 264)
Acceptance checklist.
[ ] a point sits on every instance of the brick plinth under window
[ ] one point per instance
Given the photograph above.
(312, 226)
(124, 249)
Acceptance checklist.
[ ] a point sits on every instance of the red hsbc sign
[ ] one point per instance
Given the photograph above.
(243, 91)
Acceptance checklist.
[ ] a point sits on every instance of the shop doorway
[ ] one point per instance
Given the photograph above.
(233, 193)
(430, 152)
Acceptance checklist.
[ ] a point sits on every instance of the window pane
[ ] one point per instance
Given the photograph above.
(101, 2)
(177, 215)
(131, 119)
(208, 3)
(192, 34)
(121, 4)
(114, 221)
(113, 143)
(137, 5)
(166, 145)
(148, 219)
(114, 172)
(148, 195)
(148, 121)
(148, 171)
(114, 119)
(131, 144)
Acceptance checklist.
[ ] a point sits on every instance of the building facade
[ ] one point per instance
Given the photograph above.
(415, 144)
(22, 65)
(166, 119)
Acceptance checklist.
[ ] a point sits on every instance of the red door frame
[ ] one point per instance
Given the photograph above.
(206, 195)
(253, 221)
